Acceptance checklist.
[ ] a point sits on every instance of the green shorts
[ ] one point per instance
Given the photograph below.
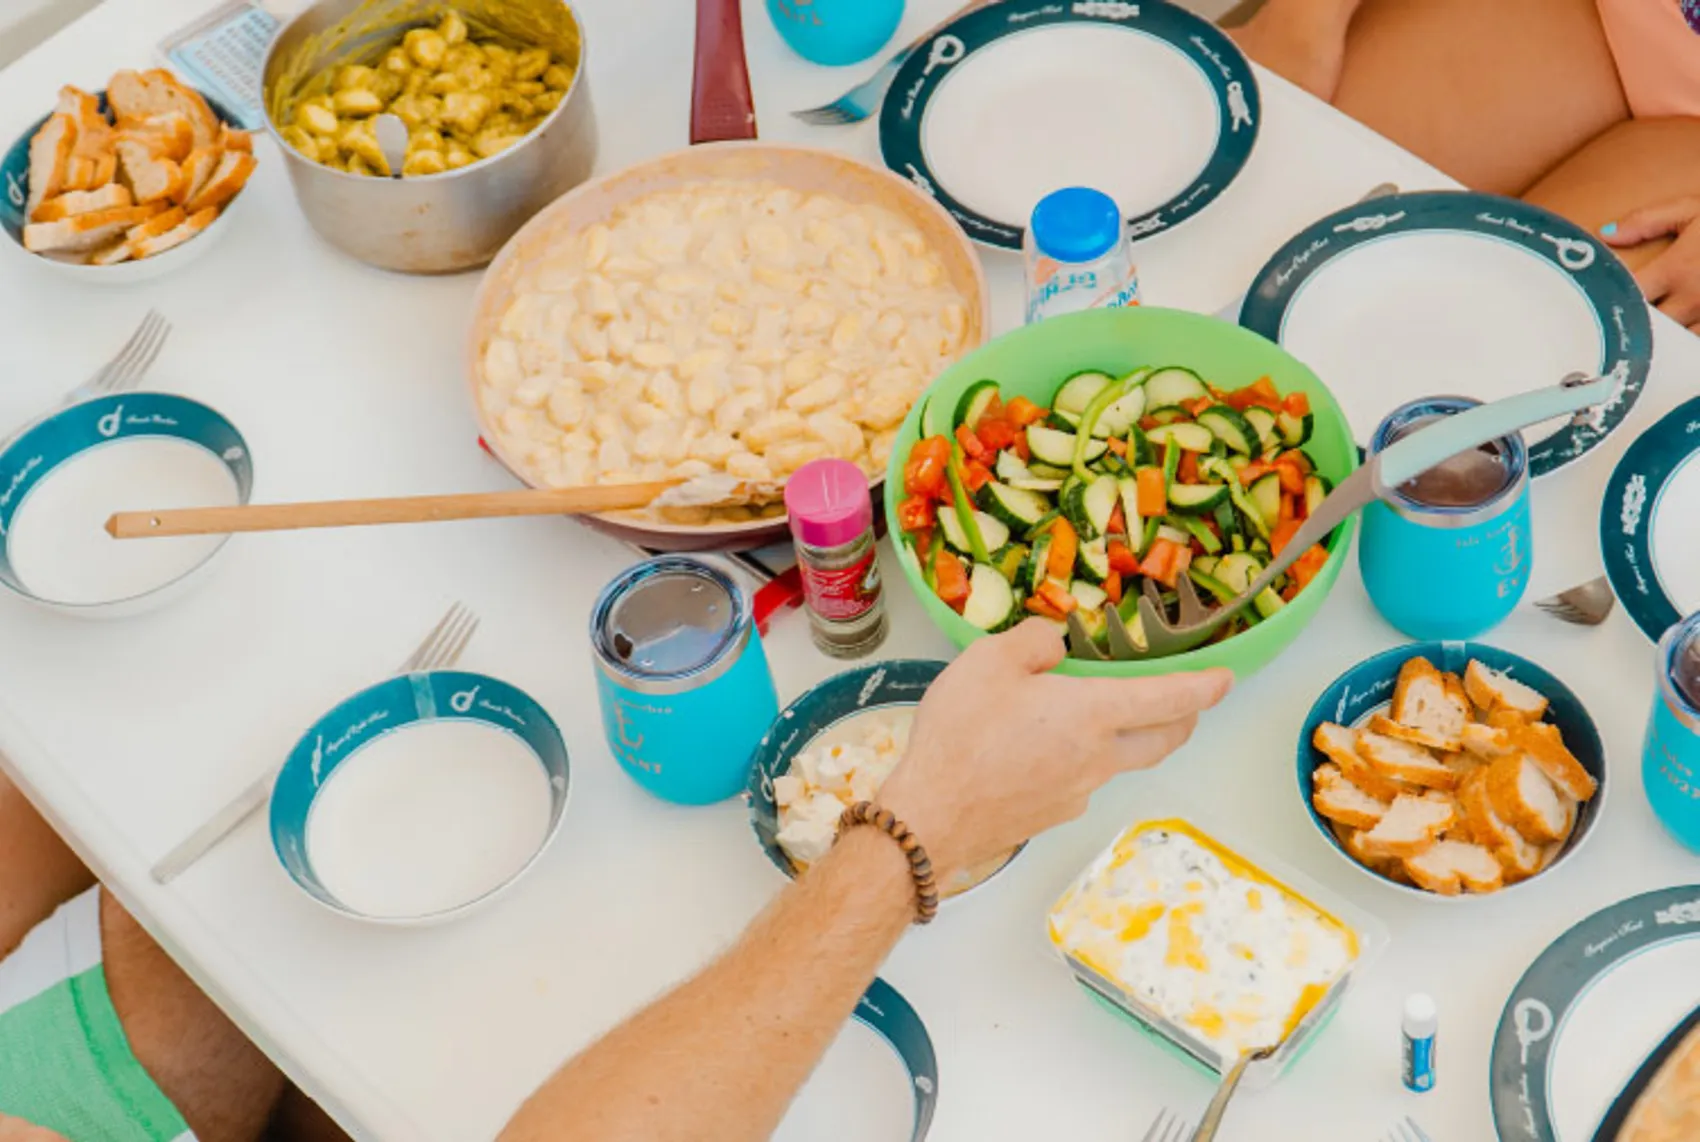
(65, 1063)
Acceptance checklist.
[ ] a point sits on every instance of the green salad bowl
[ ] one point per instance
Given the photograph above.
(1033, 362)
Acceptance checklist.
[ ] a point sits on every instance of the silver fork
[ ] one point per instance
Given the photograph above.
(121, 374)
(862, 100)
(1587, 604)
(441, 649)
(1407, 1131)
(1167, 1129)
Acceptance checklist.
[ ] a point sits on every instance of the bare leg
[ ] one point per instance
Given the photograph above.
(299, 1119)
(1493, 92)
(220, 1082)
(38, 872)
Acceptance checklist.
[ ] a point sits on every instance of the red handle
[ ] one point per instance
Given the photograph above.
(721, 105)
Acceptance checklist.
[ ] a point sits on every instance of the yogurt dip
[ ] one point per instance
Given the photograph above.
(58, 545)
(428, 818)
(1199, 939)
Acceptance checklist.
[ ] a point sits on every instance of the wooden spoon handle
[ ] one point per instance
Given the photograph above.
(407, 509)
(722, 107)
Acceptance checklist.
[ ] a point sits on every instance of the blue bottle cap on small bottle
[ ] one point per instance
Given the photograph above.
(1077, 224)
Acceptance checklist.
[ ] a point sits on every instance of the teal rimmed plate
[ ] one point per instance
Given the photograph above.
(1144, 101)
(1647, 533)
(1586, 1015)
(1443, 292)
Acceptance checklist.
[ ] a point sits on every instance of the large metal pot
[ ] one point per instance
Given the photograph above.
(444, 222)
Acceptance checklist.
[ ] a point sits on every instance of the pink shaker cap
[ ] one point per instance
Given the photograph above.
(828, 503)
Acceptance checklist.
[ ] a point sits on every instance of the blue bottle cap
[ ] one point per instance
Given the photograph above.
(1077, 224)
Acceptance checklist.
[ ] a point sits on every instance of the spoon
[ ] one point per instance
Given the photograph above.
(1230, 1082)
(703, 491)
(392, 140)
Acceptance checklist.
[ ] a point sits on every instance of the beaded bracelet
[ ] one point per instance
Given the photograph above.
(920, 866)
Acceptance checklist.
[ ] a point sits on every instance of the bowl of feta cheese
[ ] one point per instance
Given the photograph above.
(831, 748)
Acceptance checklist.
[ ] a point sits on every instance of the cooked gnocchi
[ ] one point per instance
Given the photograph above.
(727, 326)
(462, 100)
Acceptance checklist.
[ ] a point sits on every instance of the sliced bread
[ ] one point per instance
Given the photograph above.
(1411, 825)
(1490, 690)
(1448, 867)
(1516, 855)
(1340, 745)
(191, 226)
(198, 168)
(50, 156)
(120, 251)
(1543, 742)
(171, 135)
(1522, 796)
(136, 97)
(1403, 761)
(1423, 701)
(152, 176)
(1387, 727)
(84, 232)
(1336, 798)
(1490, 743)
(75, 202)
(232, 139)
(232, 173)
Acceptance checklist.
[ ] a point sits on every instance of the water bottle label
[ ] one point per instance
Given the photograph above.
(1419, 1064)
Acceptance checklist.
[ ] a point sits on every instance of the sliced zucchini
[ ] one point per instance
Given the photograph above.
(1268, 602)
(1227, 520)
(975, 400)
(993, 532)
(1046, 471)
(1204, 565)
(1171, 465)
(1295, 430)
(1259, 547)
(1042, 526)
(1166, 415)
(1249, 512)
(1079, 390)
(1192, 437)
(991, 604)
(1009, 560)
(1236, 571)
(1228, 426)
(1149, 536)
(1139, 449)
(1122, 414)
(1092, 561)
(1033, 573)
(1127, 487)
(1009, 467)
(1263, 421)
(1197, 499)
(1062, 421)
(1173, 534)
(1217, 468)
(1057, 448)
(1034, 484)
(1316, 490)
(1017, 508)
(1090, 596)
(1100, 501)
(1173, 386)
(1195, 527)
(1211, 585)
(1072, 501)
(1265, 493)
(1097, 627)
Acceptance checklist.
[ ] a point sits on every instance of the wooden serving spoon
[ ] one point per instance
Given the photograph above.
(431, 509)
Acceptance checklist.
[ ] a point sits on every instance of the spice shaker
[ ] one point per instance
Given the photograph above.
(832, 524)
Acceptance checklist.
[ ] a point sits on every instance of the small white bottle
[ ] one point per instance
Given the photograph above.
(1421, 1022)
(1077, 255)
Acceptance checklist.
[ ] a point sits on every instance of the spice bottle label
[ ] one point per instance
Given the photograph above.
(842, 594)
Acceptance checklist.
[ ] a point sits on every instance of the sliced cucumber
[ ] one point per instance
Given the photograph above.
(1100, 502)
(1259, 547)
(1062, 421)
(1316, 490)
(1033, 574)
(1295, 430)
(1139, 449)
(1203, 535)
(1230, 428)
(1263, 421)
(937, 419)
(991, 604)
(1249, 512)
(1046, 471)
(1237, 570)
(1166, 415)
(1127, 487)
(1072, 501)
(1034, 484)
(1265, 493)
(1227, 520)
(1173, 386)
(1174, 535)
(1217, 468)
(1204, 565)
(1009, 467)
(1017, 508)
(1092, 561)
(1192, 437)
(975, 400)
(1213, 586)
(1079, 390)
(1090, 596)
(1042, 526)
(1197, 499)
(1268, 602)
(1122, 414)
(994, 532)
(1057, 448)
(1009, 560)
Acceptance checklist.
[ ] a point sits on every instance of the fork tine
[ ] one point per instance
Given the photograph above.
(1192, 610)
(451, 654)
(449, 646)
(139, 366)
(142, 331)
(411, 663)
(1182, 1130)
(1159, 1128)
(827, 115)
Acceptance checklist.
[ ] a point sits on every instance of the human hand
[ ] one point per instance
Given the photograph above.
(1002, 750)
(1671, 281)
(17, 1130)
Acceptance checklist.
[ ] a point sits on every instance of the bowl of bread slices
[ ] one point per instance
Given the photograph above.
(1451, 769)
(124, 184)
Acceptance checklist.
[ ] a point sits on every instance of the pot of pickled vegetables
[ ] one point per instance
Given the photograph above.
(496, 104)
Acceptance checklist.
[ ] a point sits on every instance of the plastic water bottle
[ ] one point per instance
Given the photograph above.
(1078, 255)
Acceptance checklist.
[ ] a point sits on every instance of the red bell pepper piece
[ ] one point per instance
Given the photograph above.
(996, 433)
(1039, 607)
(1113, 587)
(1021, 412)
(1056, 596)
(915, 514)
(1118, 521)
(1122, 559)
(924, 475)
(1283, 535)
(1296, 404)
(952, 578)
(1309, 565)
(1187, 471)
(971, 446)
(975, 476)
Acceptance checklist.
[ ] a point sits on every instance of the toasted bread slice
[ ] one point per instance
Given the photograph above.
(164, 221)
(138, 96)
(1543, 742)
(170, 135)
(234, 167)
(1491, 690)
(94, 133)
(1516, 855)
(84, 232)
(152, 176)
(1340, 745)
(1423, 701)
(50, 156)
(1489, 743)
(191, 226)
(1522, 796)
(1399, 731)
(75, 202)
(1411, 825)
(231, 139)
(119, 251)
(1336, 798)
(1449, 867)
(198, 169)
(1403, 761)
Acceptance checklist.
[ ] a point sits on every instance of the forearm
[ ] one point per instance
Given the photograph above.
(1314, 13)
(720, 1058)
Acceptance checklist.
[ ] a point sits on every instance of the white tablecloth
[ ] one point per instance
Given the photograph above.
(347, 382)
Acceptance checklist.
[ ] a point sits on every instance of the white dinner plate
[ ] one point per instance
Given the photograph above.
(1442, 293)
(1648, 536)
(1144, 101)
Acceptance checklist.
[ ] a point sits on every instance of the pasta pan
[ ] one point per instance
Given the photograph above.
(801, 169)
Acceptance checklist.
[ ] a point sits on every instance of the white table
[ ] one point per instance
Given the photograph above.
(347, 381)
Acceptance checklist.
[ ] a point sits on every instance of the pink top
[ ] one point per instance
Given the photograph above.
(1657, 46)
(828, 503)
